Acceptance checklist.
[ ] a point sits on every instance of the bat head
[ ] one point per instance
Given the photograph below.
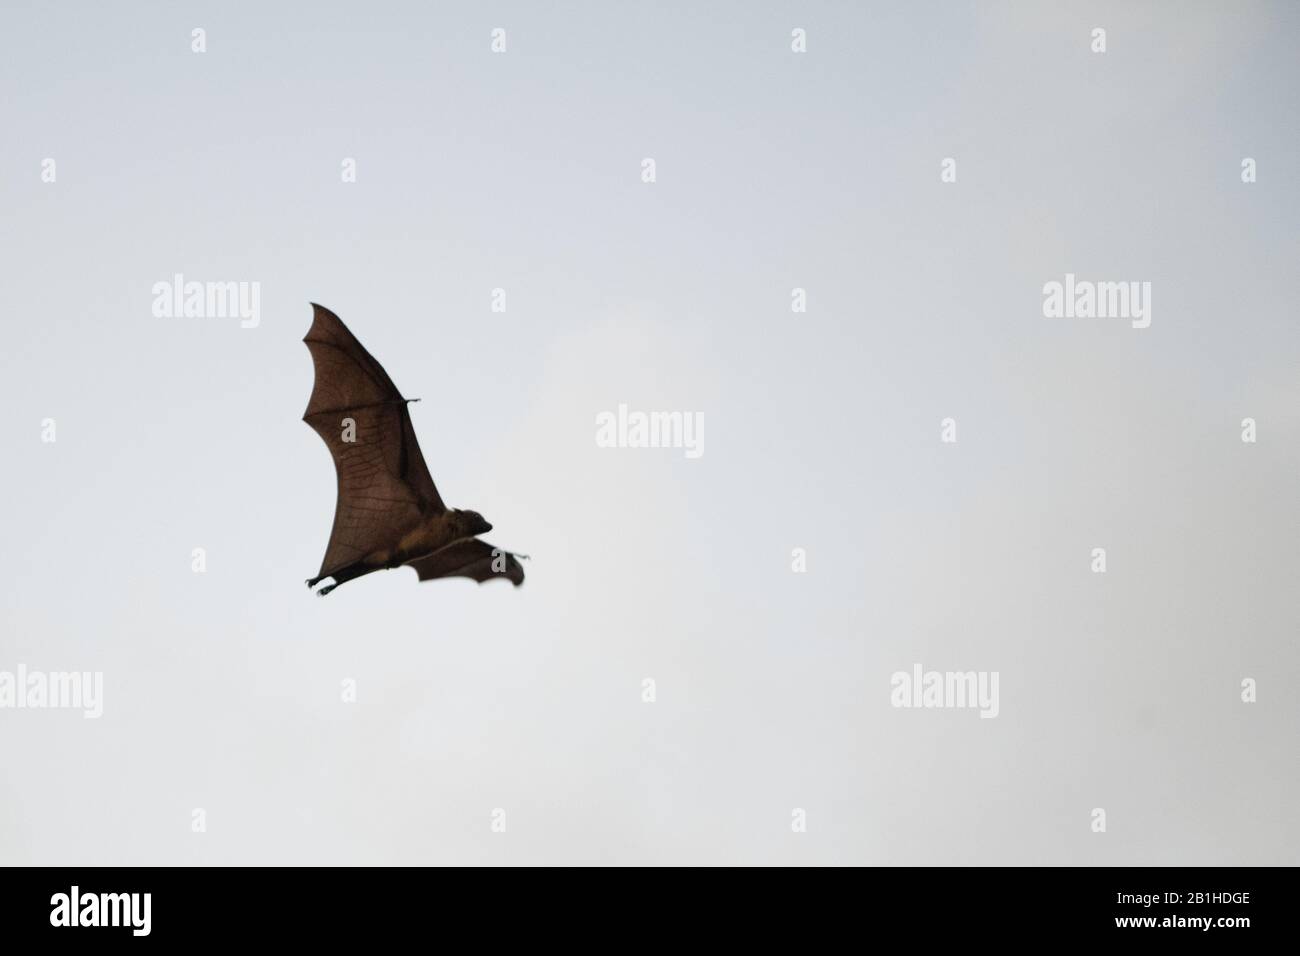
(472, 524)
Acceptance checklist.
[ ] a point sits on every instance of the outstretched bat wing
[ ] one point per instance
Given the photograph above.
(384, 486)
(471, 558)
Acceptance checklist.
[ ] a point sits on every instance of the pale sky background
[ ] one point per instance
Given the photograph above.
(775, 170)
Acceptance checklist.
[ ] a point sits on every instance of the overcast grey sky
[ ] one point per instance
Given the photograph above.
(775, 170)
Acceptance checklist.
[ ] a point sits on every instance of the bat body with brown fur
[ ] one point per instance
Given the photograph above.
(389, 512)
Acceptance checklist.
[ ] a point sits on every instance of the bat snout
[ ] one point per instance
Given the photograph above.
(475, 524)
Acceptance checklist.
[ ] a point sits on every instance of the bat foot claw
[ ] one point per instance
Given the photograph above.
(326, 590)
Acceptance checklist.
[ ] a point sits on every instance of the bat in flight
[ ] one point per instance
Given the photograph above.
(388, 513)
